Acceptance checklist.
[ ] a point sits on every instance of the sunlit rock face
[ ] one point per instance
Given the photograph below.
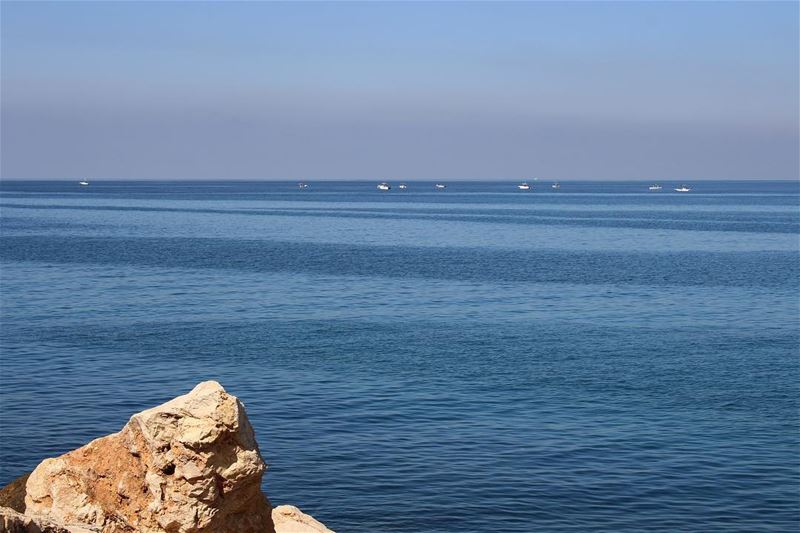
(191, 465)
(290, 519)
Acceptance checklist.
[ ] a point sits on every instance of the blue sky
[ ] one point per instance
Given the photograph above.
(629, 90)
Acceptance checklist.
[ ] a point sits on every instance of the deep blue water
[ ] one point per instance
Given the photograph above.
(599, 358)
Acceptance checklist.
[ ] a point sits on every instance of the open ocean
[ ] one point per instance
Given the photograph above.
(483, 359)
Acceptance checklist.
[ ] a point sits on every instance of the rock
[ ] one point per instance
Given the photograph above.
(13, 494)
(290, 519)
(12, 521)
(191, 465)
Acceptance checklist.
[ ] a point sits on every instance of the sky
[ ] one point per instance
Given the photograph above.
(407, 90)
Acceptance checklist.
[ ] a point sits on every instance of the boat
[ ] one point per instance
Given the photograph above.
(655, 187)
(683, 188)
(83, 182)
(302, 185)
(402, 186)
(440, 186)
(524, 186)
(556, 185)
(383, 186)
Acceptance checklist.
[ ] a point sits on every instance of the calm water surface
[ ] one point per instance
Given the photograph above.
(599, 358)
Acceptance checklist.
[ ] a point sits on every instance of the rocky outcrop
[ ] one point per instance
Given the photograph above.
(290, 519)
(12, 521)
(286, 518)
(12, 495)
(191, 465)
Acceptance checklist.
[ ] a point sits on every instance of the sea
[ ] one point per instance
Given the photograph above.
(597, 357)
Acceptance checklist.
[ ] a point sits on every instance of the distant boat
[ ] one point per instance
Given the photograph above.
(83, 182)
(556, 185)
(383, 186)
(655, 187)
(524, 186)
(683, 188)
(402, 186)
(440, 186)
(302, 185)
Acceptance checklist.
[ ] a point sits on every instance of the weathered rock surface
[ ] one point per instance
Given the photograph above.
(191, 465)
(12, 495)
(290, 519)
(12, 521)
(287, 519)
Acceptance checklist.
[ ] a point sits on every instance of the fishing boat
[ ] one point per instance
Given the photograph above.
(683, 188)
(556, 185)
(302, 185)
(655, 187)
(524, 186)
(383, 186)
(441, 186)
(402, 186)
(83, 182)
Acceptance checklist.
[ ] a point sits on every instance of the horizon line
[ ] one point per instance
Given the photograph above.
(410, 180)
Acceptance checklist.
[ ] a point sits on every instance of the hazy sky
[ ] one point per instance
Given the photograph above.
(400, 90)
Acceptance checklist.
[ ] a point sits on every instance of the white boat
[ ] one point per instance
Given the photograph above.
(402, 186)
(556, 185)
(655, 187)
(302, 185)
(383, 186)
(524, 186)
(683, 188)
(440, 186)
(83, 182)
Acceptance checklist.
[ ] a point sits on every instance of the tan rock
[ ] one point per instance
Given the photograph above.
(191, 465)
(290, 519)
(12, 521)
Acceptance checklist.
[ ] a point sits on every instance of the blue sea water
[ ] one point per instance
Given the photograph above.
(597, 358)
